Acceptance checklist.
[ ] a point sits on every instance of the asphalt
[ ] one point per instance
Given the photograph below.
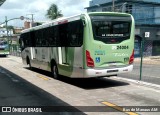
(17, 92)
(88, 92)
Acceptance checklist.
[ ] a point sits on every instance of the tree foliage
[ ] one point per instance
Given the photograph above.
(53, 12)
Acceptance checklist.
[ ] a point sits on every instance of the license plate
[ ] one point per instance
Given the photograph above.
(111, 71)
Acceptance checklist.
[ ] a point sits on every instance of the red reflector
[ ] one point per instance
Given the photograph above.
(90, 62)
(131, 59)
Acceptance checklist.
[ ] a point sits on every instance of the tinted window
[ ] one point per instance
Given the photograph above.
(70, 34)
(49, 35)
(38, 37)
(26, 39)
(110, 30)
(63, 35)
(75, 33)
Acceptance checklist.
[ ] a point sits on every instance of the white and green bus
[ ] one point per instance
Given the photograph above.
(4, 47)
(87, 45)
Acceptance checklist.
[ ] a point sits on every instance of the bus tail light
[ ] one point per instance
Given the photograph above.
(90, 62)
(131, 59)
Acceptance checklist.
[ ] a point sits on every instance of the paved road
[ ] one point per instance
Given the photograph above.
(38, 87)
(15, 91)
(150, 73)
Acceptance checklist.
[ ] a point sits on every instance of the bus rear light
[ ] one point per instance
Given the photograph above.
(131, 59)
(90, 62)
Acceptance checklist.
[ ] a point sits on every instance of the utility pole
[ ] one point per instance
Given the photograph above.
(113, 5)
(6, 21)
(32, 18)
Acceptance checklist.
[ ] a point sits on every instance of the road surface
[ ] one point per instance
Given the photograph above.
(22, 86)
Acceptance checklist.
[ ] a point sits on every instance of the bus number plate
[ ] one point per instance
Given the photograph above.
(122, 47)
(111, 71)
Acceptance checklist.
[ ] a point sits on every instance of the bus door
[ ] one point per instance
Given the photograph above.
(64, 55)
(63, 42)
(38, 48)
(44, 52)
(32, 35)
(33, 53)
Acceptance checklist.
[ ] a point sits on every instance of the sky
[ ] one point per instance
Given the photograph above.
(17, 8)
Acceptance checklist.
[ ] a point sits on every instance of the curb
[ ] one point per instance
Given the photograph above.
(151, 85)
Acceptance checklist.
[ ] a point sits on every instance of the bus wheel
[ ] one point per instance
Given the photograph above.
(55, 72)
(29, 63)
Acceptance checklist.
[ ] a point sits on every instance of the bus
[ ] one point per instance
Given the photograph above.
(4, 47)
(96, 44)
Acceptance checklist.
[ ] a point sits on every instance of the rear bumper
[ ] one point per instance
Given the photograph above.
(107, 72)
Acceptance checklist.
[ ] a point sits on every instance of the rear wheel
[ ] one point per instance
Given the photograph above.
(55, 71)
(29, 63)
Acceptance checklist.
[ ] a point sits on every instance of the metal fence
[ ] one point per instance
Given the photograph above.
(15, 50)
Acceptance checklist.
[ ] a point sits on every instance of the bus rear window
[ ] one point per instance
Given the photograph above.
(111, 30)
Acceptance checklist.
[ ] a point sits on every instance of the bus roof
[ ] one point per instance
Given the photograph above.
(55, 22)
(72, 18)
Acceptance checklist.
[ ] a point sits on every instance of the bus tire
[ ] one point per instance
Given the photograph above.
(29, 63)
(55, 71)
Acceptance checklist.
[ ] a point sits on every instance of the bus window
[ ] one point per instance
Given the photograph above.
(111, 31)
(32, 37)
(63, 35)
(38, 37)
(76, 33)
(49, 36)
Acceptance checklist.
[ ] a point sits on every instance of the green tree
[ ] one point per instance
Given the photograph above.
(10, 28)
(53, 12)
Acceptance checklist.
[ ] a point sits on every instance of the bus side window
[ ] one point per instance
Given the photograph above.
(38, 38)
(56, 40)
(51, 37)
(43, 37)
(76, 33)
(33, 40)
(63, 35)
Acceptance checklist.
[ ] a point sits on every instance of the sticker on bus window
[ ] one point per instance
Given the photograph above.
(98, 60)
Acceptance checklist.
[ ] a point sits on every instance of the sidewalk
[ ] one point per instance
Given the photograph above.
(155, 60)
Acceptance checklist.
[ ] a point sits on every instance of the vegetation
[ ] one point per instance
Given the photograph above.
(53, 12)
